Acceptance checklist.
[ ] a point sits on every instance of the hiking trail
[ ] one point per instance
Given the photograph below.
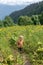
(23, 55)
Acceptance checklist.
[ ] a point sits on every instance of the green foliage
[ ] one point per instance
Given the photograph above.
(35, 19)
(1, 24)
(25, 20)
(33, 46)
(19, 59)
(41, 19)
(6, 22)
(33, 9)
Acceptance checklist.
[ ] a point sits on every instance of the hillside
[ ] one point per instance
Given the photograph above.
(32, 9)
(33, 46)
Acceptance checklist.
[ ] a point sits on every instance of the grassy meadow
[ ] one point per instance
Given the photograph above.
(33, 46)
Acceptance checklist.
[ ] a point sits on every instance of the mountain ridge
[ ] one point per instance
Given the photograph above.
(32, 9)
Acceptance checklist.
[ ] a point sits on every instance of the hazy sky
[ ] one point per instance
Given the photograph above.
(14, 2)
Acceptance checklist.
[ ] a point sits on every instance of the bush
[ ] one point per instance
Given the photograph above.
(25, 20)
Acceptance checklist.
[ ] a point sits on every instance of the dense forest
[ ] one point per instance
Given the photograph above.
(32, 9)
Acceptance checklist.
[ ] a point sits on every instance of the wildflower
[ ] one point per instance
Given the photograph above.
(11, 58)
(39, 43)
(40, 49)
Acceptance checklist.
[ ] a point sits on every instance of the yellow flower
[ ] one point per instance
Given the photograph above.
(39, 42)
(11, 58)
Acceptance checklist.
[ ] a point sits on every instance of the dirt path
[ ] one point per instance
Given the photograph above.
(24, 57)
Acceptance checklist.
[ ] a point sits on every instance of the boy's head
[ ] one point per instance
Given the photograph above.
(21, 37)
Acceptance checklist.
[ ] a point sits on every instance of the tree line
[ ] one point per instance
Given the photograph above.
(22, 20)
(33, 20)
(6, 22)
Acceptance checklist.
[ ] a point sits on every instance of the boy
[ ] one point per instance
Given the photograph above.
(20, 43)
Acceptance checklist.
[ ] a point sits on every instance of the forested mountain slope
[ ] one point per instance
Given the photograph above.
(32, 9)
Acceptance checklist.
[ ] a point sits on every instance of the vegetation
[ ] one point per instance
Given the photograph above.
(33, 46)
(31, 15)
(23, 20)
(6, 22)
(33, 20)
(32, 9)
(41, 19)
(33, 36)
